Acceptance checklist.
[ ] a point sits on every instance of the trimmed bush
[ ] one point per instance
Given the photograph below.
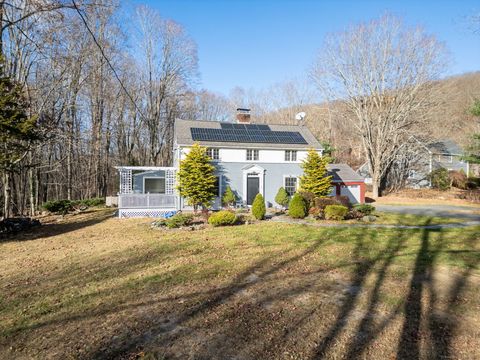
(58, 206)
(222, 218)
(458, 179)
(309, 198)
(92, 202)
(64, 206)
(179, 220)
(229, 197)
(282, 197)
(315, 212)
(335, 212)
(258, 207)
(343, 200)
(364, 209)
(297, 208)
(321, 203)
(440, 179)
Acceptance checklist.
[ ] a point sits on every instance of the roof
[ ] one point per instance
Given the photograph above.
(343, 173)
(445, 147)
(184, 136)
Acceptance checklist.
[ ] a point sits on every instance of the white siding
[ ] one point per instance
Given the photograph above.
(265, 156)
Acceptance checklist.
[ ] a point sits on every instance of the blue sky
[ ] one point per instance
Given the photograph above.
(255, 44)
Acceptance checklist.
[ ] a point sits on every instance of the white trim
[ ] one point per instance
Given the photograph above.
(261, 175)
(155, 177)
(144, 168)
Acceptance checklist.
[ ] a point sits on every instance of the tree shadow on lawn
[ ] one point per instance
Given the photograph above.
(237, 319)
(49, 229)
(249, 328)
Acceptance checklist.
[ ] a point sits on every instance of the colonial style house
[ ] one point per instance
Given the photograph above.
(250, 158)
(422, 158)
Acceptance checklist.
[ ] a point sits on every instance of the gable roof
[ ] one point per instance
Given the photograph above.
(183, 136)
(343, 173)
(445, 147)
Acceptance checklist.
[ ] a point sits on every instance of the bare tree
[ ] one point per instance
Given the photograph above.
(384, 72)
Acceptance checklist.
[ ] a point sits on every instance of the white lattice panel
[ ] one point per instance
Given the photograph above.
(170, 181)
(139, 213)
(125, 181)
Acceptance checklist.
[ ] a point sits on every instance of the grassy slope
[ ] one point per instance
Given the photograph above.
(101, 287)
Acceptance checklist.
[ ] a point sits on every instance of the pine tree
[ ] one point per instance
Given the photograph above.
(196, 178)
(229, 197)
(315, 178)
(282, 197)
(17, 132)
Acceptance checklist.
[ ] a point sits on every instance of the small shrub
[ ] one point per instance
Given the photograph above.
(364, 209)
(297, 208)
(58, 206)
(343, 200)
(258, 207)
(354, 214)
(336, 212)
(222, 218)
(282, 197)
(316, 213)
(440, 179)
(473, 182)
(229, 197)
(321, 203)
(179, 220)
(308, 197)
(470, 195)
(458, 179)
(93, 202)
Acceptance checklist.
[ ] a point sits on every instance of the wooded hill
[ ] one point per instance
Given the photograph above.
(451, 119)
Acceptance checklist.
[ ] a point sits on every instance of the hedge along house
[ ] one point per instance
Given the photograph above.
(250, 158)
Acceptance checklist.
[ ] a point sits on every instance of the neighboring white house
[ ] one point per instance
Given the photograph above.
(423, 158)
(250, 158)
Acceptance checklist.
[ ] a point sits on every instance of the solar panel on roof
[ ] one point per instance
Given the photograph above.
(247, 134)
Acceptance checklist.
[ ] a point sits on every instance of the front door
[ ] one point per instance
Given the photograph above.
(253, 186)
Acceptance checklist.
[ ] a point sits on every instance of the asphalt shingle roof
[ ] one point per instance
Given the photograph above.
(343, 173)
(183, 136)
(445, 147)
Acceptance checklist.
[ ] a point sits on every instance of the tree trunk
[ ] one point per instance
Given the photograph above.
(376, 183)
(7, 195)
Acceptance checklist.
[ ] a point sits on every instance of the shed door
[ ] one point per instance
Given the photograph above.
(352, 191)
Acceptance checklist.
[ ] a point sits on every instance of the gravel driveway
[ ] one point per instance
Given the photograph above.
(453, 211)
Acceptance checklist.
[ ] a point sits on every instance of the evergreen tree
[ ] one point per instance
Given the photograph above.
(315, 178)
(258, 207)
(196, 178)
(17, 132)
(297, 208)
(473, 149)
(229, 197)
(282, 197)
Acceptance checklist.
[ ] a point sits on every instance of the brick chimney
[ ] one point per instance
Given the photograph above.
(243, 116)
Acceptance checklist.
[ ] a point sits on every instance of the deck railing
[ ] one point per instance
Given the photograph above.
(146, 201)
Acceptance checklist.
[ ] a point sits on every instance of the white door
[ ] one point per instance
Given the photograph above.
(352, 191)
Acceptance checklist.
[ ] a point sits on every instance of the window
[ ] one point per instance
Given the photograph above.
(291, 185)
(252, 155)
(213, 153)
(445, 158)
(290, 155)
(154, 185)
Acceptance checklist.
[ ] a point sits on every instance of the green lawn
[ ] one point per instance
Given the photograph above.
(98, 287)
